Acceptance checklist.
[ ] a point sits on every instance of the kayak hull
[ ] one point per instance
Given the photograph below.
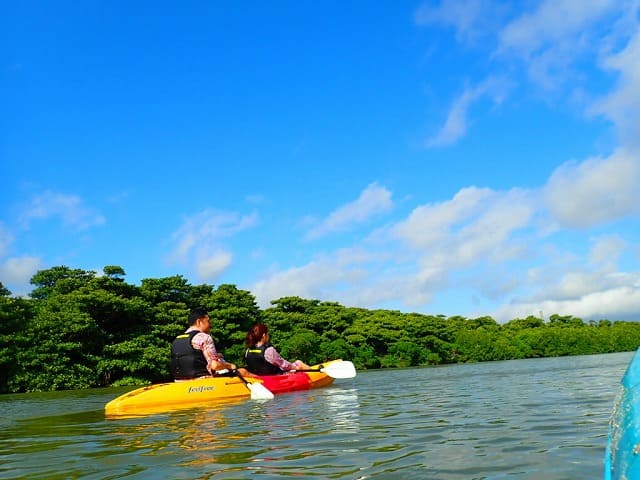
(205, 391)
(622, 457)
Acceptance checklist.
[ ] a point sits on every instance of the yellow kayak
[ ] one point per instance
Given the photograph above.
(173, 395)
(204, 391)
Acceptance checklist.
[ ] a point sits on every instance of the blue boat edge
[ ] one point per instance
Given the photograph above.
(622, 452)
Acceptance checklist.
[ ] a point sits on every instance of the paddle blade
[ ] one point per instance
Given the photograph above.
(342, 369)
(259, 391)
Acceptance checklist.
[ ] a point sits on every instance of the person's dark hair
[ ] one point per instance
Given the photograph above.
(255, 334)
(197, 313)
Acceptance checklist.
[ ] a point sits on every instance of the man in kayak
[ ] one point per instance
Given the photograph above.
(262, 358)
(193, 354)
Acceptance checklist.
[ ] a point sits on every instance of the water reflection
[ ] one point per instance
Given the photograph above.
(262, 436)
(344, 410)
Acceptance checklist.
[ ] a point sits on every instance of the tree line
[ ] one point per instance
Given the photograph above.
(78, 329)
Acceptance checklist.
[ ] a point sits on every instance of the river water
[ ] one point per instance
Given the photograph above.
(541, 419)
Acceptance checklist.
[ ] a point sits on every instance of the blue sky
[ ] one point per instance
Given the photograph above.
(457, 157)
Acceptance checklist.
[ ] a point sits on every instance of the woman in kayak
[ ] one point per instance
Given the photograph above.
(262, 358)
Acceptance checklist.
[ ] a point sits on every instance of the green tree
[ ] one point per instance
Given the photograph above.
(14, 314)
(60, 279)
(403, 354)
(303, 345)
(524, 323)
(62, 348)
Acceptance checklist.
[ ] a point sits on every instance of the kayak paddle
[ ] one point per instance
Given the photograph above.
(258, 390)
(337, 369)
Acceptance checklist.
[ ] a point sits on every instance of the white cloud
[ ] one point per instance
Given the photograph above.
(455, 125)
(373, 200)
(622, 104)
(470, 18)
(317, 279)
(605, 252)
(461, 243)
(596, 191)
(209, 267)
(552, 23)
(620, 301)
(573, 286)
(555, 36)
(430, 224)
(16, 272)
(476, 223)
(552, 42)
(69, 208)
(199, 241)
(207, 229)
(488, 246)
(476, 226)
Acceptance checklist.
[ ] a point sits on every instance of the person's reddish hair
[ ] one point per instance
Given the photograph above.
(255, 334)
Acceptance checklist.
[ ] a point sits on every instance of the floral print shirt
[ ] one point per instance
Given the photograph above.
(204, 342)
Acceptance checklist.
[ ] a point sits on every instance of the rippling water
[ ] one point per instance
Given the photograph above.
(523, 419)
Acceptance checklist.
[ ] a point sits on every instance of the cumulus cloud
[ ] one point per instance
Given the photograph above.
(212, 265)
(475, 223)
(312, 280)
(552, 22)
(605, 252)
(595, 191)
(373, 200)
(622, 104)
(482, 243)
(590, 286)
(351, 277)
(553, 37)
(70, 209)
(16, 272)
(207, 227)
(411, 261)
(620, 301)
(199, 240)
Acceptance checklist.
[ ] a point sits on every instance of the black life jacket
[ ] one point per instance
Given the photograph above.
(186, 361)
(257, 364)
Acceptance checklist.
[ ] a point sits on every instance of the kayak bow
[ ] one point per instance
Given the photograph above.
(622, 460)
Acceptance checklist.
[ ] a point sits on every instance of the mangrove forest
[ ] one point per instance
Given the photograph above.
(80, 329)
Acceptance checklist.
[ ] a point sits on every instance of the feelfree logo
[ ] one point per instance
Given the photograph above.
(200, 389)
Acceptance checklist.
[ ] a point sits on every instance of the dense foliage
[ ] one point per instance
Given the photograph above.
(79, 329)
